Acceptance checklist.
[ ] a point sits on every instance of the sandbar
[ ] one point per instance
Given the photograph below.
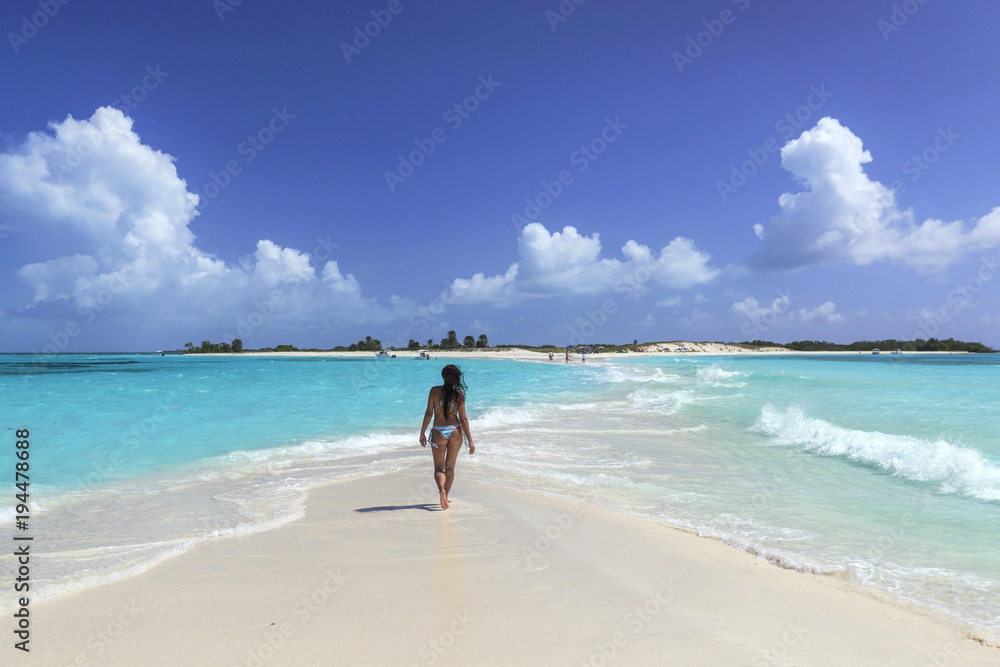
(376, 574)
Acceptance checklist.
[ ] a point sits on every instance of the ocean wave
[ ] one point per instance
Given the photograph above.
(716, 372)
(666, 403)
(89, 577)
(616, 374)
(7, 515)
(574, 407)
(945, 589)
(344, 447)
(784, 559)
(185, 511)
(502, 416)
(716, 376)
(957, 469)
(9, 512)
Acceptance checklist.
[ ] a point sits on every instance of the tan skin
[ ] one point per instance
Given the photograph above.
(446, 450)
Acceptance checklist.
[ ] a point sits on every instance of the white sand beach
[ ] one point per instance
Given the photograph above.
(376, 574)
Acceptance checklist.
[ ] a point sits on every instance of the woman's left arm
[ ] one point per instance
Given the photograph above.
(464, 421)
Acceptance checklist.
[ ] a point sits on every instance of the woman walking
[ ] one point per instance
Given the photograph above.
(446, 405)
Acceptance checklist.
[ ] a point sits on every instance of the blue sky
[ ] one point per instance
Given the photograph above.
(541, 172)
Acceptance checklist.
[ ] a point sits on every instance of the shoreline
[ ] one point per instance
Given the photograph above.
(377, 574)
(517, 353)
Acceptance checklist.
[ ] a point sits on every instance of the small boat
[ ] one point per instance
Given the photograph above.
(875, 351)
(421, 354)
(385, 355)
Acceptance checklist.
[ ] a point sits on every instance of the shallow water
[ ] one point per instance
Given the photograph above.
(884, 469)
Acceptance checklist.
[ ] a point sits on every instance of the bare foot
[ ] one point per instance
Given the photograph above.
(444, 500)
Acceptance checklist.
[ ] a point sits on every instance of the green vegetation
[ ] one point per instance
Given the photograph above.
(369, 344)
(208, 347)
(757, 344)
(451, 343)
(918, 345)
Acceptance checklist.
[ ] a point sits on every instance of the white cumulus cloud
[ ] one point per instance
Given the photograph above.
(843, 216)
(751, 309)
(669, 302)
(567, 263)
(122, 206)
(826, 312)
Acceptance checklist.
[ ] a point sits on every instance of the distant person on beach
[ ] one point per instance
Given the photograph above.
(567, 355)
(446, 404)
(550, 356)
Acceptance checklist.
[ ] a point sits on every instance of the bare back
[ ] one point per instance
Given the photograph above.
(446, 415)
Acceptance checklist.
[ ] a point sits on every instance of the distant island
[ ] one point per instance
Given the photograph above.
(369, 344)
(918, 345)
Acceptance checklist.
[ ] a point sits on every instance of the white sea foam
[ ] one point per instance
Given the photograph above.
(618, 373)
(372, 443)
(717, 376)
(7, 515)
(663, 402)
(500, 417)
(187, 511)
(956, 468)
(574, 407)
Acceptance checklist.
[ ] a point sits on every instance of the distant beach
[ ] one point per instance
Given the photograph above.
(650, 350)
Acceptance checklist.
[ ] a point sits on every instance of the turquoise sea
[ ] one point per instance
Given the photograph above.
(880, 469)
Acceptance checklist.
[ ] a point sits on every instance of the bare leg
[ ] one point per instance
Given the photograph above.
(442, 494)
(440, 476)
(454, 447)
(449, 468)
(445, 454)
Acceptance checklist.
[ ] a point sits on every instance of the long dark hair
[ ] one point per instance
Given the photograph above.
(454, 383)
